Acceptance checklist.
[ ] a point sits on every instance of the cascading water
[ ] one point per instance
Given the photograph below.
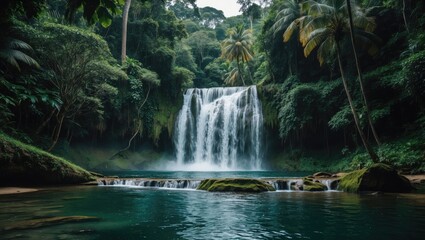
(219, 129)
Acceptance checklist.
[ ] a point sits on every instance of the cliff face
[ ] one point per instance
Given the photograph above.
(23, 164)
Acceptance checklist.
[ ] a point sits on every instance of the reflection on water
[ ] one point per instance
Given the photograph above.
(128, 213)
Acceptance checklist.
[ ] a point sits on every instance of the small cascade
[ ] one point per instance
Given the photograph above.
(331, 184)
(150, 183)
(297, 184)
(327, 183)
(289, 184)
(219, 129)
(278, 184)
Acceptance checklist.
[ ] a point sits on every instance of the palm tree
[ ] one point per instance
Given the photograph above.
(12, 53)
(323, 28)
(232, 77)
(238, 46)
(291, 10)
(287, 18)
(124, 30)
(371, 25)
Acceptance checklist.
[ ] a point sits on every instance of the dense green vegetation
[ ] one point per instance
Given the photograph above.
(336, 94)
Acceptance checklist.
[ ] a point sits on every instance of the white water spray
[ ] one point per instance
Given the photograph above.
(220, 129)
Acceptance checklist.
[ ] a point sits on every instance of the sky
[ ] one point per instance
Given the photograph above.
(229, 7)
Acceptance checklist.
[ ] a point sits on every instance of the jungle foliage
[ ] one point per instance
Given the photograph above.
(61, 79)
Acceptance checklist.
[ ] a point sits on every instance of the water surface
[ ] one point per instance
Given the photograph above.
(135, 213)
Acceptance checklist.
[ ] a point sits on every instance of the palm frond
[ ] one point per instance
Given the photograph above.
(368, 42)
(18, 44)
(326, 50)
(290, 30)
(319, 9)
(11, 53)
(232, 77)
(315, 39)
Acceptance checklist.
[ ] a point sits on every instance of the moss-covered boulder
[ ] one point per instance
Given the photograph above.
(378, 177)
(234, 185)
(310, 185)
(23, 164)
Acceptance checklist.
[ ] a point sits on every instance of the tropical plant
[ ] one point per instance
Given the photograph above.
(12, 52)
(76, 70)
(101, 11)
(289, 17)
(323, 27)
(238, 46)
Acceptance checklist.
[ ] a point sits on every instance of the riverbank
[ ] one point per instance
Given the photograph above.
(25, 165)
(16, 190)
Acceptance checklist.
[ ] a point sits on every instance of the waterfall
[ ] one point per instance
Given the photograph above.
(219, 129)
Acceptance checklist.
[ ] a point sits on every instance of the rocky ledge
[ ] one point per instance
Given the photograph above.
(379, 177)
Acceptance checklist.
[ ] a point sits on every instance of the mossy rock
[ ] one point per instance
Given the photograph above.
(378, 177)
(234, 185)
(312, 186)
(23, 164)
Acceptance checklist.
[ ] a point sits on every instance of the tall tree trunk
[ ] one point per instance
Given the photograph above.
(404, 16)
(360, 77)
(250, 21)
(240, 72)
(369, 149)
(124, 30)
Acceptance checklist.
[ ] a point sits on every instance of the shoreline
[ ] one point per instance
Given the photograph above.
(16, 190)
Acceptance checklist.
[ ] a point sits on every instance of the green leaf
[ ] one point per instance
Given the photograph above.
(105, 18)
(90, 9)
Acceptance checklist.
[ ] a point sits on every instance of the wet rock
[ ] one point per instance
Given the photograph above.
(234, 185)
(339, 175)
(378, 177)
(322, 175)
(334, 184)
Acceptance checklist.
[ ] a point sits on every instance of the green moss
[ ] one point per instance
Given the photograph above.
(25, 164)
(164, 118)
(378, 177)
(270, 112)
(351, 181)
(205, 184)
(235, 185)
(310, 185)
